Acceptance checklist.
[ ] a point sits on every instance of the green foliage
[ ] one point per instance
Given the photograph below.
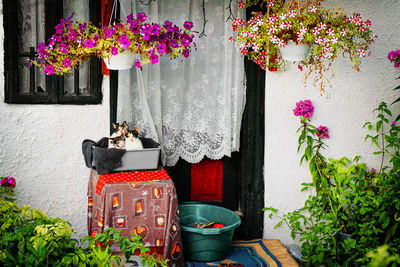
(29, 238)
(347, 197)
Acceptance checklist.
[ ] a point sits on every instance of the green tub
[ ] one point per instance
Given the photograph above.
(208, 244)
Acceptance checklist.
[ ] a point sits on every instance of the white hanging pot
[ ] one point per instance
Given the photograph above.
(120, 61)
(294, 52)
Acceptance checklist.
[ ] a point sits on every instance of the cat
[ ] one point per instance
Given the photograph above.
(117, 138)
(132, 141)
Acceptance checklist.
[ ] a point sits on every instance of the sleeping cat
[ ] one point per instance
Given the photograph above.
(117, 138)
(132, 141)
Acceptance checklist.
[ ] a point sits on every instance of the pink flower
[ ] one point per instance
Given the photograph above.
(282, 25)
(288, 25)
(282, 16)
(244, 51)
(334, 40)
(66, 62)
(394, 123)
(114, 51)
(368, 22)
(322, 26)
(89, 43)
(316, 31)
(254, 28)
(138, 64)
(260, 22)
(280, 42)
(361, 53)
(313, 9)
(256, 47)
(330, 32)
(322, 132)
(141, 17)
(153, 58)
(274, 39)
(231, 39)
(271, 3)
(292, 13)
(343, 32)
(124, 41)
(49, 69)
(241, 4)
(318, 40)
(238, 22)
(263, 54)
(273, 29)
(396, 65)
(303, 30)
(304, 108)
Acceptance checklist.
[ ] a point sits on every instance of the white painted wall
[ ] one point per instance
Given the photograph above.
(40, 145)
(353, 96)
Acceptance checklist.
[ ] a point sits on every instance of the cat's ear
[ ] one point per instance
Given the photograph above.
(137, 130)
(124, 124)
(115, 125)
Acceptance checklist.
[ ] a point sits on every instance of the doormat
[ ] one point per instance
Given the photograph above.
(255, 253)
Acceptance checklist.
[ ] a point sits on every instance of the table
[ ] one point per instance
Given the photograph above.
(146, 208)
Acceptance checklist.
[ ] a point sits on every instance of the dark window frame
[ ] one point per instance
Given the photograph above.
(54, 84)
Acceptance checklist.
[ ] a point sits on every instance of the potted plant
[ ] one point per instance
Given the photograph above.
(329, 33)
(76, 41)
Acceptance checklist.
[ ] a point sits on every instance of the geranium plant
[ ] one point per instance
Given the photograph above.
(76, 41)
(329, 33)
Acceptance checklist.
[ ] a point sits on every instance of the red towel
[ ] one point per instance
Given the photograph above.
(130, 177)
(207, 179)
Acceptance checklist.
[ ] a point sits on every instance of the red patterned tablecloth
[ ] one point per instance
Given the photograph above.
(143, 203)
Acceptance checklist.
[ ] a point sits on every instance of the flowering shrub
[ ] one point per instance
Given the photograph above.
(346, 197)
(304, 109)
(330, 34)
(74, 42)
(394, 57)
(7, 185)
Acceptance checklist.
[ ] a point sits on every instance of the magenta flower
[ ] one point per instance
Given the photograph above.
(141, 17)
(66, 62)
(322, 132)
(186, 41)
(138, 64)
(153, 58)
(89, 43)
(167, 23)
(185, 53)
(83, 27)
(59, 29)
(41, 50)
(188, 25)
(173, 43)
(393, 123)
(63, 48)
(124, 41)
(304, 108)
(49, 69)
(114, 51)
(108, 33)
(130, 18)
(162, 48)
(72, 35)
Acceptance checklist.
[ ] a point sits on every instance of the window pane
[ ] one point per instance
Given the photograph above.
(30, 33)
(80, 8)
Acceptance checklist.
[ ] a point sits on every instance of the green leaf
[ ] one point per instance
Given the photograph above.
(378, 126)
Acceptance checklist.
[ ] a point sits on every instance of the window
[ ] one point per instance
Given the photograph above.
(28, 22)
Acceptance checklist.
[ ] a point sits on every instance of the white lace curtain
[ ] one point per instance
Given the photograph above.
(194, 106)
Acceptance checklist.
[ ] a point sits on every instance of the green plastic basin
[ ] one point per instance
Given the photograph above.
(206, 244)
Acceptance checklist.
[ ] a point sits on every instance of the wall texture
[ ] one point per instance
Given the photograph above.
(351, 100)
(40, 145)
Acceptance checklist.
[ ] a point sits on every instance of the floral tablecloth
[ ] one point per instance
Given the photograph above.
(147, 208)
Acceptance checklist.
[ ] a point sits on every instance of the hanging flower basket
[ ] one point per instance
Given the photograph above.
(294, 52)
(121, 61)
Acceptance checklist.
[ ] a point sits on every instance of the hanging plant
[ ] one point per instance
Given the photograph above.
(76, 41)
(329, 34)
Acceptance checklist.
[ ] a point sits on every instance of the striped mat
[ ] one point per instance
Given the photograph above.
(253, 253)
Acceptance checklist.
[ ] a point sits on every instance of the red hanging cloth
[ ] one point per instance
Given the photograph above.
(106, 8)
(206, 180)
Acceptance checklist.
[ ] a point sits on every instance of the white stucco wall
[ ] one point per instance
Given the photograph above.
(353, 96)
(40, 145)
